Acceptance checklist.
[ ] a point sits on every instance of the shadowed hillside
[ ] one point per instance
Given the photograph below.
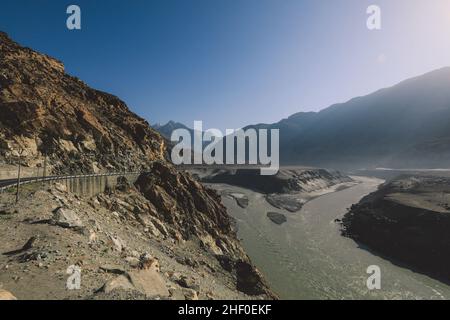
(405, 126)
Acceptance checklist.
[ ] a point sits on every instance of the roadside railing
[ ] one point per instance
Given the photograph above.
(9, 183)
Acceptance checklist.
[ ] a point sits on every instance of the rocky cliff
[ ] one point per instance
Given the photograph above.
(408, 221)
(166, 236)
(174, 243)
(46, 111)
(287, 179)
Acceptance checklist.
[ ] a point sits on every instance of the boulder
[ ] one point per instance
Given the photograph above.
(190, 294)
(92, 236)
(118, 243)
(146, 261)
(60, 187)
(149, 282)
(133, 262)
(66, 218)
(187, 283)
(277, 218)
(6, 295)
(121, 282)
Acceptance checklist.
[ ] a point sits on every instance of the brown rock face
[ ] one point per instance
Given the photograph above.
(196, 212)
(408, 221)
(249, 279)
(45, 110)
(186, 205)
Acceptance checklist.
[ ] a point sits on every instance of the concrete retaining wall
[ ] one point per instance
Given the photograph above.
(10, 172)
(82, 185)
(89, 186)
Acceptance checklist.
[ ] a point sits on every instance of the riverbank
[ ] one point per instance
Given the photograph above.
(307, 258)
(408, 221)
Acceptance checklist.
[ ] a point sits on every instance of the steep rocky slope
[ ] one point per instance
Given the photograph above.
(46, 111)
(174, 243)
(408, 221)
(166, 236)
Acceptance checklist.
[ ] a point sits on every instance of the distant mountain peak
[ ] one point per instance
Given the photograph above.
(406, 125)
(167, 129)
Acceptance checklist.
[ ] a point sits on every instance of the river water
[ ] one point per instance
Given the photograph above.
(307, 258)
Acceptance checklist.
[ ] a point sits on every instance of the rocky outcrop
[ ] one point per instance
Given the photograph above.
(185, 204)
(289, 189)
(147, 282)
(66, 218)
(285, 181)
(183, 224)
(249, 279)
(196, 212)
(407, 221)
(46, 111)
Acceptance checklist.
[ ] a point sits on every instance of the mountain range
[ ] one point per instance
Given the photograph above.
(404, 126)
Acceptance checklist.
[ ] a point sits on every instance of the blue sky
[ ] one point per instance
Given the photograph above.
(235, 62)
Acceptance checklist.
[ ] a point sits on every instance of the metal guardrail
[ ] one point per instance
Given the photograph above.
(59, 178)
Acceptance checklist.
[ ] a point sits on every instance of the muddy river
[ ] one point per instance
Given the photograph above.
(307, 258)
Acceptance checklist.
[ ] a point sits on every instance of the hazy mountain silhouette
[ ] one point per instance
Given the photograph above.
(405, 126)
(167, 129)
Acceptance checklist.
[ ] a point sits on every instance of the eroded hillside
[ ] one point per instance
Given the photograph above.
(47, 111)
(164, 237)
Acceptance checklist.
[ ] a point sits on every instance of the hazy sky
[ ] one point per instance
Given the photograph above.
(235, 62)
